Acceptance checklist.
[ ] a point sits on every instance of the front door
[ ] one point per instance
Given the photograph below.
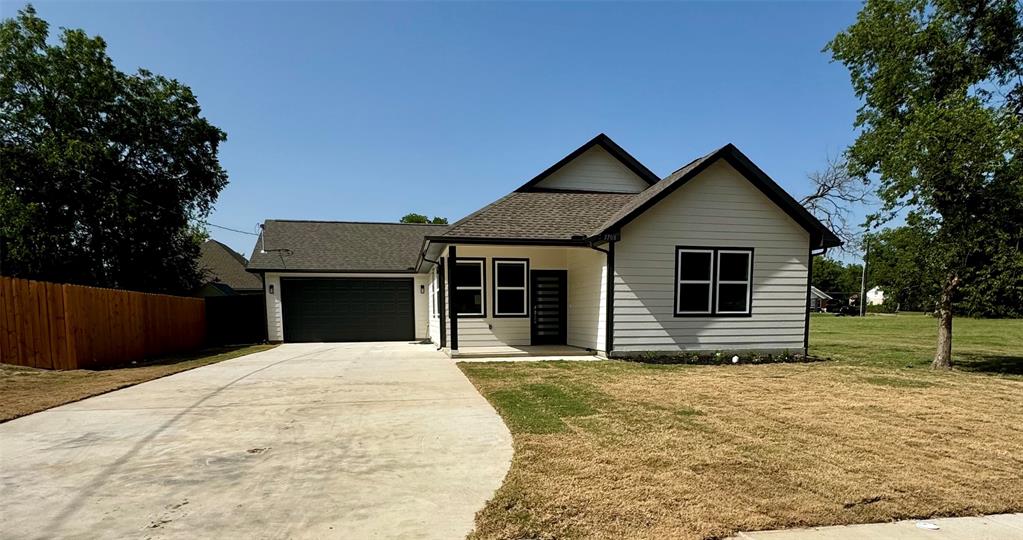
(547, 299)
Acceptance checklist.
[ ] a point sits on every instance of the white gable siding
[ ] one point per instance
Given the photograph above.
(587, 298)
(718, 208)
(595, 170)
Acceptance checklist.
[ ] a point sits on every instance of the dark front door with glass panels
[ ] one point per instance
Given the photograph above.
(548, 293)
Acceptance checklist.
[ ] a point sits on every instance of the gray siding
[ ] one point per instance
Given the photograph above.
(718, 208)
(595, 170)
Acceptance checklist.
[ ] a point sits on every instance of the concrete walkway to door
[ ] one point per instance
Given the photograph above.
(378, 440)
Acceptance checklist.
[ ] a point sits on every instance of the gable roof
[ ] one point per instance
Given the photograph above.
(223, 265)
(608, 145)
(551, 216)
(339, 246)
(820, 235)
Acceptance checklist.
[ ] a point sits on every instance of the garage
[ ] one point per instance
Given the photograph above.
(348, 309)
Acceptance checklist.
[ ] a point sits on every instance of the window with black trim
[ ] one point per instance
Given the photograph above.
(435, 289)
(510, 287)
(733, 281)
(713, 281)
(467, 281)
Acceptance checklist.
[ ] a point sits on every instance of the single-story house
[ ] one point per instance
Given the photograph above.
(875, 296)
(819, 299)
(595, 253)
(224, 272)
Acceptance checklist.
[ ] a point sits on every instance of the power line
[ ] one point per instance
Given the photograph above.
(228, 228)
(164, 208)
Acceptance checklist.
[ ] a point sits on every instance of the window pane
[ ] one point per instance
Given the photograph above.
(734, 267)
(511, 274)
(469, 302)
(694, 297)
(732, 298)
(694, 266)
(511, 302)
(466, 275)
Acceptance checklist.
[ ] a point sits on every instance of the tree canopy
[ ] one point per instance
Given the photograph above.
(413, 217)
(941, 128)
(105, 177)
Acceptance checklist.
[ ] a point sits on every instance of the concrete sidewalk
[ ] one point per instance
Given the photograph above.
(995, 527)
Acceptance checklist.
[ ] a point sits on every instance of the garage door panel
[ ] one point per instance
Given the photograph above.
(348, 309)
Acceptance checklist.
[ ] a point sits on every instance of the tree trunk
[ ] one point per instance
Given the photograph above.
(943, 356)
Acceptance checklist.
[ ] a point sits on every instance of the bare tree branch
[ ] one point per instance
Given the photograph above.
(835, 191)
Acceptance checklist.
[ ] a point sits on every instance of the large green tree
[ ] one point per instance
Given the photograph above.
(940, 126)
(105, 177)
(902, 262)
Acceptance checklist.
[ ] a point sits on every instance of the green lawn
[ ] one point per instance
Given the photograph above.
(617, 449)
(908, 340)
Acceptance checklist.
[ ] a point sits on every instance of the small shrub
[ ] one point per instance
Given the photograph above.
(715, 358)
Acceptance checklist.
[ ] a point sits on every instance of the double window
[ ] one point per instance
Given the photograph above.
(510, 278)
(467, 279)
(713, 281)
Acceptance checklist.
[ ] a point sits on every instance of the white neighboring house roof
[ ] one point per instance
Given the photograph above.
(819, 293)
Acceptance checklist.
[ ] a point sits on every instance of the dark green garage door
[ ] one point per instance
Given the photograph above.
(347, 309)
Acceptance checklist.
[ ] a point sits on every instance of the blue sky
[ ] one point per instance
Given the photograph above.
(357, 111)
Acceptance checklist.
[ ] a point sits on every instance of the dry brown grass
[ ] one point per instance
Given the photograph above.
(27, 390)
(620, 450)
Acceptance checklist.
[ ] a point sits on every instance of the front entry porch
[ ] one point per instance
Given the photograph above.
(494, 301)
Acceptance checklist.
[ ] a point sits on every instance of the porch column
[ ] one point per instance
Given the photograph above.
(452, 306)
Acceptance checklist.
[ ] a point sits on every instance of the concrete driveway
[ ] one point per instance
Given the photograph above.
(378, 440)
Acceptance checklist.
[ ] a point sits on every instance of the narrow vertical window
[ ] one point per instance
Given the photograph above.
(510, 279)
(734, 269)
(467, 280)
(694, 270)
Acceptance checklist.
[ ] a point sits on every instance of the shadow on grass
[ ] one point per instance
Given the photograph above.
(990, 363)
(207, 353)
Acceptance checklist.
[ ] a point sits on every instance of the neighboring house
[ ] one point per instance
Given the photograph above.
(716, 256)
(875, 296)
(818, 299)
(224, 271)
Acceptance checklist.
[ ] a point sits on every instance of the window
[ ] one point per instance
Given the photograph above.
(733, 281)
(693, 291)
(467, 281)
(435, 290)
(713, 281)
(510, 278)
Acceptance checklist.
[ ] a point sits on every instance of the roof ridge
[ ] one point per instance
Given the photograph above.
(355, 222)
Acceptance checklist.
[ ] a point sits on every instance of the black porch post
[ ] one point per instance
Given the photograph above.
(609, 330)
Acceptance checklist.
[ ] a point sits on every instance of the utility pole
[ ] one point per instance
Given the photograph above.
(863, 279)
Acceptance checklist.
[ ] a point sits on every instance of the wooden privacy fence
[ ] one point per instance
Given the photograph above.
(60, 326)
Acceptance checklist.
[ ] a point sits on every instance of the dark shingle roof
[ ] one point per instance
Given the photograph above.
(340, 246)
(224, 265)
(553, 215)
